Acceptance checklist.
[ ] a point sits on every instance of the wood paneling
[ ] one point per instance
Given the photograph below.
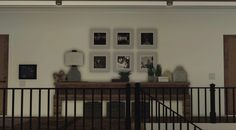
(230, 73)
(3, 67)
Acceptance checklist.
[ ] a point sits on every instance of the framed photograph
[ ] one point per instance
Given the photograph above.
(27, 71)
(99, 38)
(147, 38)
(123, 61)
(123, 38)
(99, 62)
(145, 58)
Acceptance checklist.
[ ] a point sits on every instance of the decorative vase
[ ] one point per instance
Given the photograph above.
(124, 76)
(151, 78)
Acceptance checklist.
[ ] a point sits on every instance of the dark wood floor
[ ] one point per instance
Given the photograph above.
(79, 123)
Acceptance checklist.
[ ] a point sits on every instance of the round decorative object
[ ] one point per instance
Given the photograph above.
(60, 76)
(179, 74)
(167, 73)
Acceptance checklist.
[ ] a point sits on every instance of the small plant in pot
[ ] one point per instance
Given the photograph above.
(124, 76)
(150, 70)
(158, 70)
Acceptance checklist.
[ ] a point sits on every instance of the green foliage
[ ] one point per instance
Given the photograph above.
(158, 70)
(124, 73)
(150, 69)
(154, 71)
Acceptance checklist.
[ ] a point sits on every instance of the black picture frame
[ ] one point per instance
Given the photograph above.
(99, 62)
(99, 38)
(27, 71)
(123, 39)
(147, 38)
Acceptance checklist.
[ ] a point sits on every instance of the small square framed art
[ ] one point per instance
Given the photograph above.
(147, 38)
(123, 61)
(99, 38)
(99, 62)
(145, 58)
(123, 38)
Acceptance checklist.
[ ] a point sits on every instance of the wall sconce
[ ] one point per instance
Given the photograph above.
(169, 3)
(73, 59)
(58, 2)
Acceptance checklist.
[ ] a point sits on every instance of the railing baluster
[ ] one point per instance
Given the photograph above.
(219, 104)
(137, 107)
(84, 109)
(151, 116)
(30, 112)
(187, 125)
(163, 101)
(119, 109)
(48, 114)
(226, 104)
(4, 108)
(205, 97)
(22, 108)
(159, 114)
(101, 118)
(191, 94)
(39, 111)
(110, 106)
(57, 108)
(75, 95)
(145, 109)
(93, 109)
(180, 124)
(177, 99)
(166, 120)
(66, 108)
(13, 109)
(233, 105)
(198, 102)
(156, 99)
(213, 111)
(185, 91)
(170, 99)
(173, 120)
(128, 118)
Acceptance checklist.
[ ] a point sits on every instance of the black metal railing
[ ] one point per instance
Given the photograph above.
(199, 104)
(113, 108)
(155, 115)
(66, 108)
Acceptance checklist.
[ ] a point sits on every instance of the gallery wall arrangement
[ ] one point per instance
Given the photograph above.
(123, 41)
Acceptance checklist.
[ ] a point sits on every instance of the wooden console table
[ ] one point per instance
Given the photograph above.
(61, 92)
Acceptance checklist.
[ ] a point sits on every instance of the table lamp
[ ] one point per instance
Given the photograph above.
(74, 59)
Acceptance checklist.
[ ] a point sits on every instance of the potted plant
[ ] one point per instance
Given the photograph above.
(150, 70)
(158, 71)
(124, 76)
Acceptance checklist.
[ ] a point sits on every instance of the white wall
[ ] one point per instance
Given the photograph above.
(189, 37)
